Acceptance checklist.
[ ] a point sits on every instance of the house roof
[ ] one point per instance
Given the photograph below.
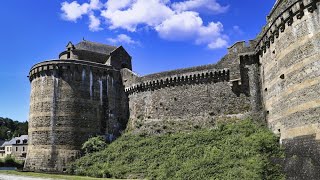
(6, 144)
(1, 142)
(14, 140)
(95, 47)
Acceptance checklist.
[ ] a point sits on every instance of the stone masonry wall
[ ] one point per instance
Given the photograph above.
(70, 101)
(196, 97)
(290, 69)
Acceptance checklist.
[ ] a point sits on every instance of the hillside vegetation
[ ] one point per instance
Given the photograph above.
(10, 128)
(238, 150)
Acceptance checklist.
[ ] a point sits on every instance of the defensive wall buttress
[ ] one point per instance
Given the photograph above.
(91, 89)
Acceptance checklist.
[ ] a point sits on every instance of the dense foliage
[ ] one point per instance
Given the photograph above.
(94, 144)
(9, 161)
(10, 128)
(239, 150)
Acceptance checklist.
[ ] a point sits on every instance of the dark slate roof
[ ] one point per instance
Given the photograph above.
(1, 142)
(14, 140)
(95, 47)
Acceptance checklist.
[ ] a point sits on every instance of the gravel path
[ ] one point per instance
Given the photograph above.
(15, 177)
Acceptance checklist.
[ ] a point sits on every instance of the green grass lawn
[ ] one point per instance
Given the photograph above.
(52, 176)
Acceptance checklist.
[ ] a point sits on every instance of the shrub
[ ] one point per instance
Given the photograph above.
(94, 144)
(10, 161)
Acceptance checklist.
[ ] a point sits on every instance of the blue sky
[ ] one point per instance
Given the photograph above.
(159, 34)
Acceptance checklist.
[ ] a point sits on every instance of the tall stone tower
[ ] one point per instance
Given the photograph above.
(289, 49)
(72, 98)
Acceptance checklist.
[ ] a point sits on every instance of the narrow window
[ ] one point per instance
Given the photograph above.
(92, 90)
(23, 149)
(68, 55)
(282, 76)
(16, 148)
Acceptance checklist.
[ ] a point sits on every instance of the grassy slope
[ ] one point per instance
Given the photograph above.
(231, 151)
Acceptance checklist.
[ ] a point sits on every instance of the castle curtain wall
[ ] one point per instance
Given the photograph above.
(196, 97)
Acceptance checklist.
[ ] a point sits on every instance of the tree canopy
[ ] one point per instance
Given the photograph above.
(10, 128)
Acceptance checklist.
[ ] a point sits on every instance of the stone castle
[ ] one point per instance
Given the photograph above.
(91, 89)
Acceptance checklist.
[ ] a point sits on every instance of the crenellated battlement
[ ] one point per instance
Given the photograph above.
(69, 65)
(179, 80)
(283, 15)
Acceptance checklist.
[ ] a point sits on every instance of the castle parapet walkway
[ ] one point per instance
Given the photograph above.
(68, 65)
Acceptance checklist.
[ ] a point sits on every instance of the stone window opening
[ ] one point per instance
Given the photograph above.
(175, 99)
(266, 89)
(282, 76)
(92, 90)
(68, 55)
(16, 148)
(274, 52)
(23, 148)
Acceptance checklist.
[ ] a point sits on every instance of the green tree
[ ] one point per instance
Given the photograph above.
(10, 128)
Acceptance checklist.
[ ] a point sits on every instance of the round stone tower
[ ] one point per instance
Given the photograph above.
(71, 100)
(290, 67)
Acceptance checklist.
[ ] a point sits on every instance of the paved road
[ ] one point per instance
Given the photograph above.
(15, 177)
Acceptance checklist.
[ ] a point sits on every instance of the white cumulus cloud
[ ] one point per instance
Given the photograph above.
(188, 25)
(122, 38)
(73, 11)
(177, 21)
(140, 12)
(180, 26)
(114, 5)
(94, 23)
